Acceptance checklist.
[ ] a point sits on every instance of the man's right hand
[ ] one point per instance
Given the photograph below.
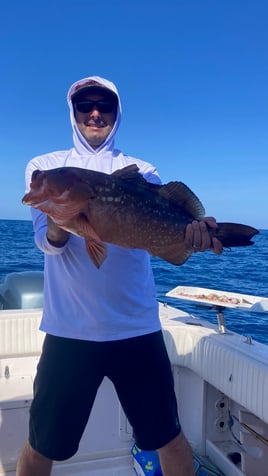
(56, 236)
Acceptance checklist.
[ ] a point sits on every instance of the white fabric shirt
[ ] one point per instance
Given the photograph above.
(116, 301)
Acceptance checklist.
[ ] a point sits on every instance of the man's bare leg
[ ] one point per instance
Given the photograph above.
(32, 463)
(176, 457)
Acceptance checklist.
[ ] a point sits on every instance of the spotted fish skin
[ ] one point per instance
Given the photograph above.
(125, 210)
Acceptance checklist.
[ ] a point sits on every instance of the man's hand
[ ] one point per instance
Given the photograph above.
(198, 238)
(55, 235)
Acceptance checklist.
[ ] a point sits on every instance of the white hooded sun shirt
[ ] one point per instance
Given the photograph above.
(116, 301)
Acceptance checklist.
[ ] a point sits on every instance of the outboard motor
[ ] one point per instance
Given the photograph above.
(22, 290)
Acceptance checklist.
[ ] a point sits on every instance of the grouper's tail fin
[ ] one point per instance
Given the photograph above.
(234, 234)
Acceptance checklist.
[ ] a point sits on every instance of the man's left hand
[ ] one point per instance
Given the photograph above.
(198, 237)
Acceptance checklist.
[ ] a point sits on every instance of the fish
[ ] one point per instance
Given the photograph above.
(124, 209)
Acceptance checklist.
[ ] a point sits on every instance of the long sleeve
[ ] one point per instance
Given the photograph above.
(40, 234)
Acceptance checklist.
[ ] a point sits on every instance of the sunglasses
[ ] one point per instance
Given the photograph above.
(101, 105)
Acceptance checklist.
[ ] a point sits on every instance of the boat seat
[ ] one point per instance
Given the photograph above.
(19, 333)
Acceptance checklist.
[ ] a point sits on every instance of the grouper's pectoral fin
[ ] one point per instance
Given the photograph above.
(96, 250)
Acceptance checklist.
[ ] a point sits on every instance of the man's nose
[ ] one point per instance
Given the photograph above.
(95, 112)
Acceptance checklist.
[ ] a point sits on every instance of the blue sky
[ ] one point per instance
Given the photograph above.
(193, 80)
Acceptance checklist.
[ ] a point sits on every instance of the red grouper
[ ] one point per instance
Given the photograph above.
(125, 210)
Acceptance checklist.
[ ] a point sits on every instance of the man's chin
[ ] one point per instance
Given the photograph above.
(95, 141)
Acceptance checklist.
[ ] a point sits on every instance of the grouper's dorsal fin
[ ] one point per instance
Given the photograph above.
(130, 173)
(182, 196)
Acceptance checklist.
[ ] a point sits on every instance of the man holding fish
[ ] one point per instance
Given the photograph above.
(101, 314)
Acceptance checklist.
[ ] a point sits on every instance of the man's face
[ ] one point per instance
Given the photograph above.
(95, 126)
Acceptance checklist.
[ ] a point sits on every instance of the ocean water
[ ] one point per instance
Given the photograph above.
(241, 270)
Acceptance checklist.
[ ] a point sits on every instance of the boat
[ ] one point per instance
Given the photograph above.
(221, 382)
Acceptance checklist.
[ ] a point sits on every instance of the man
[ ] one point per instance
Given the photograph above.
(100, 322)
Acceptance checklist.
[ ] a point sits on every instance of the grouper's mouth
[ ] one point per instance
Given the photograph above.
(35, 204)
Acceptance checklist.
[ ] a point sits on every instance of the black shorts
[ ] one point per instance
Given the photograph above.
(69, 374)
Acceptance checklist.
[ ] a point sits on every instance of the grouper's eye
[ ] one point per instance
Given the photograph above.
(35, 174)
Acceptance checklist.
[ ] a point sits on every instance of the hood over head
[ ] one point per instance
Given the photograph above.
(93, 83)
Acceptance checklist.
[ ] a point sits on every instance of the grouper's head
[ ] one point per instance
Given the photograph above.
(60, 185)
